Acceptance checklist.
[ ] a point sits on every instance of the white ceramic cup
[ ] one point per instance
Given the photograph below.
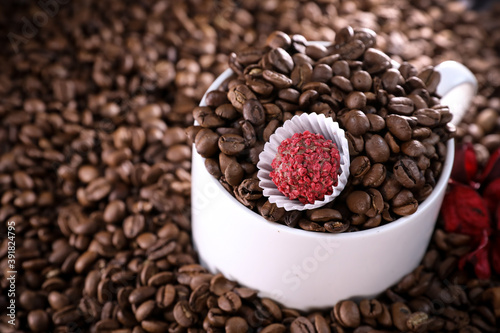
(307, 270)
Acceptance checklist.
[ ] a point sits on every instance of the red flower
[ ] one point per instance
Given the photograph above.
(471, 206)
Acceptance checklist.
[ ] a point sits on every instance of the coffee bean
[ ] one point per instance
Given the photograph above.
(271, 212)
(85, 260)
(206, 142)
(322, 73)
(66, 315)
(238, 95)
(38, 320)
(133, 225)
(324, 215)
(234, 174)
(359, 166)
(358, 202)
(376, 61)
(236, 324)
(114, 211)
(356, 122)
(231, 144)
(206, 117)
(407, 173)
(301, 75)
(301, 325)
(144, 310)
(413, 148)
(377, 149)
(154, 326)
(278, 39)
(401, 105)
(278, 80)
(377, 123)
(399, 127)
(428, 117)
(356, 144)
(400, 314)
(229, 302)
(281, 60)
(404, 203)
(289, 95)
(347, 314)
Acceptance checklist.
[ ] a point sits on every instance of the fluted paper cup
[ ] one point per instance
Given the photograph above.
(314, 123)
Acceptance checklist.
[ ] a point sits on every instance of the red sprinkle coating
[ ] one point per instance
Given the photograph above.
(306, 167)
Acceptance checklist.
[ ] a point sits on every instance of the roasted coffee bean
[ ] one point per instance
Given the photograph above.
(238, 95)
(358, 202)
(377, 149)
(278, 39)
(400, 315)
(324, 215)
(278, 80)
(272, 212)
(375, 176)
(301, 75)
(377, 123)
(404, 203)
(254, 112)
(356, 122)
(321, 73)
(235, 325)
(206, 142)
(281, 60)
(391, 141)
(183, 315)
(376, 61)
(347, 314)
(154, 326)
(356, 144)
(206, 117)
(408, 174)
(226, 111)
(225, 160)
(229, 302)
(133, 225)
(249, 189)
(301, 325)
(66, 315)
(401, 105)
(231, 144)
(359, 166)
(361, 80)
(310, 225)
(413, 148)
(38, 320)
(234, 174)
(399, 127)
(431, 78)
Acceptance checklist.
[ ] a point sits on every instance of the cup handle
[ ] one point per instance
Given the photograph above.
(458, 86)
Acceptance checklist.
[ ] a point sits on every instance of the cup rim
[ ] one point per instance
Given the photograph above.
(398, 223)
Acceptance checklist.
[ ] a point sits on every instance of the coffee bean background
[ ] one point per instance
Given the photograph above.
(95, 160)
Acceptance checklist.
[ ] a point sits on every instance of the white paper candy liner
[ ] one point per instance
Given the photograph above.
(314, 123)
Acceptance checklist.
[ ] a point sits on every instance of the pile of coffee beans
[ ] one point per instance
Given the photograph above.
(393, 122)
(95, 163)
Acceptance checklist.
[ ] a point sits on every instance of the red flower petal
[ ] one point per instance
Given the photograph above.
(492, 196)
(492, 169)
(479, 258)
(464, 211)
(465, 164)
(495, 253)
